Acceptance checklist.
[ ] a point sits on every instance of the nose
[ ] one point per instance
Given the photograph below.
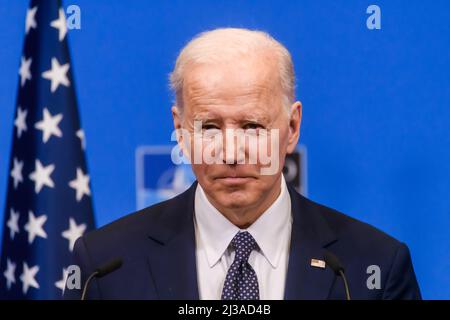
(233, 147)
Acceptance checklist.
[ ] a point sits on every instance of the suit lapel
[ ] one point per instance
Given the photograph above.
(310, 236)
(172, 260)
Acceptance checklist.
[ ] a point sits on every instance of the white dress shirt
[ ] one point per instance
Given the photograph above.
(214, 232)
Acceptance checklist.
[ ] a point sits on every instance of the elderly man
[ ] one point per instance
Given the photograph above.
(240, 232)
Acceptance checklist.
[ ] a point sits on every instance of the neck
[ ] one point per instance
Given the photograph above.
(245, 217)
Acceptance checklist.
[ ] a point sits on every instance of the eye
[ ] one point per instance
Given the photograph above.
(253, 125)
(209, 126)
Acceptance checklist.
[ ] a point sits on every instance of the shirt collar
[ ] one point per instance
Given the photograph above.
(216, 231)
(269, 229)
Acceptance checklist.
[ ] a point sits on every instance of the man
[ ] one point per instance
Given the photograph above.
(240, 232)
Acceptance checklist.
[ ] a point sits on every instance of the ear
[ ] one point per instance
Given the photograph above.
(183, 137)
(176, 115)
(178, 124)
(295, 120)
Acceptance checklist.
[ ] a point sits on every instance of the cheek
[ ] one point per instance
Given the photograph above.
(266, 181)
(284, 138)
(204, 173)
(199, 170)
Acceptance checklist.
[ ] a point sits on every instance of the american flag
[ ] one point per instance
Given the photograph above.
(48, 203)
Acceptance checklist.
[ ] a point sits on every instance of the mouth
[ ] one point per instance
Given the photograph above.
(234, 180)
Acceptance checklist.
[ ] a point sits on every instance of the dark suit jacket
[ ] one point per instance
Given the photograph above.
(157, 245)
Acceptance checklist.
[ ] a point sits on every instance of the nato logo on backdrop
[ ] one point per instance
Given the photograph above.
(159, 179)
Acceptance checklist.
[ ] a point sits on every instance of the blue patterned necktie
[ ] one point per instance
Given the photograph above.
(241, 282)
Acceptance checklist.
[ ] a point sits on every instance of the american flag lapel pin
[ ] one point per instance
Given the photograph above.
(318, 263)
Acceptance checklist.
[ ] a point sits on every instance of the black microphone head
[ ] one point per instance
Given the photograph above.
(111, 266)
(333, 262)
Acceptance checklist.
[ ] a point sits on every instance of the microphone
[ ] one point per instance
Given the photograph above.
(104, 270)
(333, 262)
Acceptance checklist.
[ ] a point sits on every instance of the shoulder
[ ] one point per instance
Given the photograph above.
(135, 227)
(365, 250)
(347, 227)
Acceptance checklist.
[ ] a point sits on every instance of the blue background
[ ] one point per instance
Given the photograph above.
(376, 103)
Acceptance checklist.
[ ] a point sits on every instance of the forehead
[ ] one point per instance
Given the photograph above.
(252, 81)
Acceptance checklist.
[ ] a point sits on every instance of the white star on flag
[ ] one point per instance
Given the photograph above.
(73, 233)
(13, 223)
(49, 125)
(60, 24)
(81, 136)
(61, 284)
(41, 176)
(80, 184)
(24, 70)
(27, 277)
(30, 21)
(16, 172)
(57, 75)
(9, 273)
(35, 226)
(20, 121)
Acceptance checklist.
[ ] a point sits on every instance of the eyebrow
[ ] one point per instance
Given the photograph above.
(208, 116)
(204, 116)
(257, 118)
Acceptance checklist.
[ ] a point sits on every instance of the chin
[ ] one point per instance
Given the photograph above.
(235, 198)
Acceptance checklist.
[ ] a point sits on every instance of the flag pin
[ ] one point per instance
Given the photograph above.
(318, 263)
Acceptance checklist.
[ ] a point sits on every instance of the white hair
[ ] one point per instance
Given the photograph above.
(228, 44)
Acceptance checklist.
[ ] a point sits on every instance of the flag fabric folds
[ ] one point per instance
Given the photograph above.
(48, 203)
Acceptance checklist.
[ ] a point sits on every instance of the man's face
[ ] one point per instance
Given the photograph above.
(242, 95)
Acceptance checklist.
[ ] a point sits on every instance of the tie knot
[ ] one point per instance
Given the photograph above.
(244, 244)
